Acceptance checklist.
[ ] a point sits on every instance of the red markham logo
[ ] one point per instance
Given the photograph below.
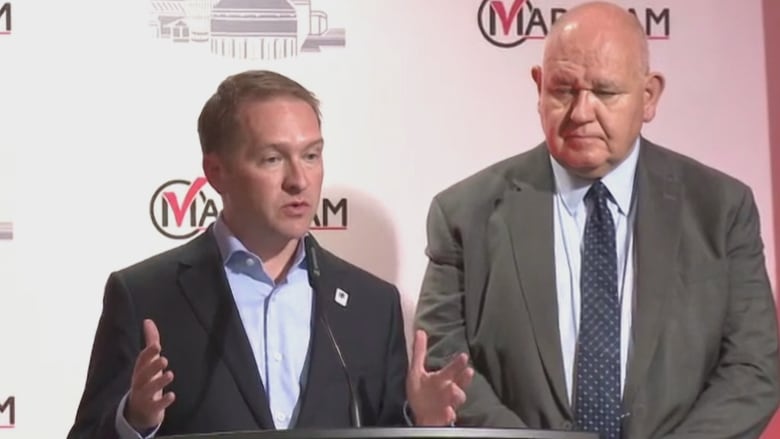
(191, 213)
(509, 23)
(507, 19)
(180, 209)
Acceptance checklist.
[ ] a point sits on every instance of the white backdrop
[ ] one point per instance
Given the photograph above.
(96, 113)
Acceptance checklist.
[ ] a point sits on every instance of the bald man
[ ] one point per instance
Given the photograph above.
(598, 281)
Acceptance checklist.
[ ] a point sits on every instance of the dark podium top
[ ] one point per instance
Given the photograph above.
(394, 433)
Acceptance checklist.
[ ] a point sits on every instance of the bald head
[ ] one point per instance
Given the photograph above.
(597, 24)
(595, 88)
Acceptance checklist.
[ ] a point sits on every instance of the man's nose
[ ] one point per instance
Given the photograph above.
(582, 110)
(295, 179)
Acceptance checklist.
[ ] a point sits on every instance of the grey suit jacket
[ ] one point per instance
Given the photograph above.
(704, 362)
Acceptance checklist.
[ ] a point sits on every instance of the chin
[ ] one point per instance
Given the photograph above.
(582, 166)
(590, 170)
(588, 157)
(294, 231)
(582, 146)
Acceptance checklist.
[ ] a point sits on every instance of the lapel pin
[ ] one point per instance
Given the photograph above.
(341, 297)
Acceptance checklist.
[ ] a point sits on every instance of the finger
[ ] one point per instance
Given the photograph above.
(451, 396)
(150, 390)
(163, 403)
(457, 396)
(151, 334)
(149, 371)
(150, 400)
(464, 377)
(419, 350)
(147, 355)
(450, 416)
(453, 368)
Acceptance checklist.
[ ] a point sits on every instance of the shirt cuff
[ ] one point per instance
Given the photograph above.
(408, 415)
(123, 428)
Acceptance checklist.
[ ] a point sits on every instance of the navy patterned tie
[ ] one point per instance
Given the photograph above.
(597, 373)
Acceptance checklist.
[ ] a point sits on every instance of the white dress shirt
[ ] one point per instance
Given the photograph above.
(570, 214)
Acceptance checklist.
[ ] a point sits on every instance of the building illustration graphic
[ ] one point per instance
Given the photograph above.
(246, 29)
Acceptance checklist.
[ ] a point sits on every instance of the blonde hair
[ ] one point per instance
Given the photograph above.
(219, 127)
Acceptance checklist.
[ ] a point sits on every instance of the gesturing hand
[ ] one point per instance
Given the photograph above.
(435, 396)
(146, 403)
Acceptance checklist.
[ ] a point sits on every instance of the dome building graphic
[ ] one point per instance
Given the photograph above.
(246, 29)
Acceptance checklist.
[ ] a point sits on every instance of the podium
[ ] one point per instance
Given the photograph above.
(394, 433)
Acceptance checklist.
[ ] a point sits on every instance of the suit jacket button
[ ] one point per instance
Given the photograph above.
(566, 425)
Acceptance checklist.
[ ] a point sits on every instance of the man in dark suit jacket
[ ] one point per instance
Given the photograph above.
(261, 330)
(678, 339)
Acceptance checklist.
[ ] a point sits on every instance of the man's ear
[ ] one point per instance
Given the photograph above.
(654, 88)
(536, 74)
(214, 170)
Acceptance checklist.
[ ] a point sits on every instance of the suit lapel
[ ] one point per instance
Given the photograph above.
(657, 239)
(203, 282)
(527, 211)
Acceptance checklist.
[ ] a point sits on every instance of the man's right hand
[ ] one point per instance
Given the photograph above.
(146, 402)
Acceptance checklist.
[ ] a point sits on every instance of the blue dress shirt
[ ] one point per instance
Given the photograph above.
(276, 317)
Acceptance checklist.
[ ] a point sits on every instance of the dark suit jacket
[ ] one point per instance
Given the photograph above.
(704, 362)
(216, 382)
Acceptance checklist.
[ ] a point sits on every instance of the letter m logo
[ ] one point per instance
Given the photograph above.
(5, 19)
(8, 410)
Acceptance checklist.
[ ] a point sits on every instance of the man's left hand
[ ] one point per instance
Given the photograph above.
(434, 397)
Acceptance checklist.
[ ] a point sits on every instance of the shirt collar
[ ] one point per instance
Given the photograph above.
(619, 181)
(229, 246)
